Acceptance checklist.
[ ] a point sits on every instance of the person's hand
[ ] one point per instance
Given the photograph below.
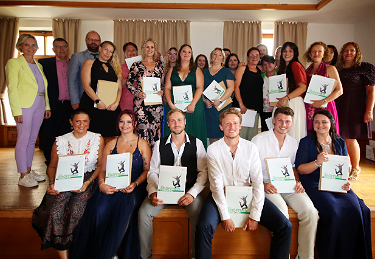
(242, 64)
(173, 106)
(155, 201)
(185, 200)
(112, 107)
(368, 117)
(83, 188)
(322, 157)
(141, 95)
(216, 102)
(51, 189)
(282, 101)
(270, 188)
(47, 114)
(228, 225)
(129, 189)
(107, 189)
(346, 186)
(243, 108)
(18, 119)
(161, 93)
(208, 103)
(250, 225)
(190, 108)
(75, 106)
(101, 106)
(299, 188)
(317, 103)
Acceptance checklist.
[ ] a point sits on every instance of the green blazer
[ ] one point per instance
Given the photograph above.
(22, 85)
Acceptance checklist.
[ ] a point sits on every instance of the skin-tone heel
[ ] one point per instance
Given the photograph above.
(354, 174)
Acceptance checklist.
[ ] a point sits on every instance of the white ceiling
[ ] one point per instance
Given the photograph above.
(335, 12)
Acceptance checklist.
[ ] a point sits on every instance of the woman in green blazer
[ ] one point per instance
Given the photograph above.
(27, 88)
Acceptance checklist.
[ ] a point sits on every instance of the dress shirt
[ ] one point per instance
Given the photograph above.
(268, 147)
(244, 169)
(62, 68)
(153, 173)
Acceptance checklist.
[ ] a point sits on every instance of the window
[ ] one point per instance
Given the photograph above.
(45, 40)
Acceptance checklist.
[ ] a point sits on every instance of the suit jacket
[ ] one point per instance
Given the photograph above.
(22, 85)
(74, 75)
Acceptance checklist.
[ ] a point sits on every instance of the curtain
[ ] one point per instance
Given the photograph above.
(240, 36)
(8, 38)
(70, 30)
(166, 33)
(291, 31)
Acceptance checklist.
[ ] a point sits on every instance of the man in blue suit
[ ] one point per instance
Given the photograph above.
(75, 65)
(55, 70)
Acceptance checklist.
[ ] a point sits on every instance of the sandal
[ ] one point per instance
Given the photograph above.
(353, 175)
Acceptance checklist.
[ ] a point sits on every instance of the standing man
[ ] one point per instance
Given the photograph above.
(235, 161)
(126, 101)
(75, 66)
(277, 143)
(55, 70)
(177, 149)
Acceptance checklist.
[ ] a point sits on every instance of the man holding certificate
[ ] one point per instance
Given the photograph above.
(178, 149)
(276, 143)
(234, 161)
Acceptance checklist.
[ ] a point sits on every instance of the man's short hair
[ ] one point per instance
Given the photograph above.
(59, 39)
(284, 110)
(173, 111)
(268, 59)
(127, 44)
(230, 111)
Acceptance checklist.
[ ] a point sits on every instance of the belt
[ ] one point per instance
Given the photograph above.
(64, 101)
(41, 94)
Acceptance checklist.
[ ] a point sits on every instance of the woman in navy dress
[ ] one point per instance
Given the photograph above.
(344, 230)
(110, 223)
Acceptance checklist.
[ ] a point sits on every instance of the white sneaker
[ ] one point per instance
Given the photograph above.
(36, 176)
(28, 181)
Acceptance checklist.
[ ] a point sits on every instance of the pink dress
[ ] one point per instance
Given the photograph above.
(331, 106)
(126, 101)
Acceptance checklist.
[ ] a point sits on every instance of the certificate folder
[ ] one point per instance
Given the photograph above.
(151, 87)
(239, 203)
(215, 91)
(183, 96)
(334, 173)
(118, 170)
(281, 175)
(171, 185)
(107, 91)
(70, 173)
(319, 88)
(277, 88)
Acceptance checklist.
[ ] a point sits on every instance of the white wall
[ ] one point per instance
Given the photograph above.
(104, 28)
(205, 36)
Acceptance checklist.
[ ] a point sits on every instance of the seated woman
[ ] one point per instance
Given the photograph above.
(59, 213)
(111, 218)
(344, 229)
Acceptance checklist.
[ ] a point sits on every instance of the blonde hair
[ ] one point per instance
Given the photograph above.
(358, 57)
(222, 53)
(230, 111)
(308, 51)
(114, 61)
(155, 57)
(22, 38)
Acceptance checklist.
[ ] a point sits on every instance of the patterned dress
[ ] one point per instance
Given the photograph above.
(58, 215)
(150, 117)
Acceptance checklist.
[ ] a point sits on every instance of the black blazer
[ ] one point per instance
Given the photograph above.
(50, 71)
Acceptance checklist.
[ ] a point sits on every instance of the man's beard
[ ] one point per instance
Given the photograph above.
(93, 47)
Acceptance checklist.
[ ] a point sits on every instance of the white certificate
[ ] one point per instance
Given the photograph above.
(151, 87)
(281, 175)
(130, 61)
(118, 170)
(214, 91)
(171, 185)
(277, 88)
(319, 88)
(239, 203)
(334, 173)
(183, 96)
(248, 119)
(70, 173)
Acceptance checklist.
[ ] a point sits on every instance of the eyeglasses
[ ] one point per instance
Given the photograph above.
(91, 39)
(254, 56)
(172, 54)
(61, 46)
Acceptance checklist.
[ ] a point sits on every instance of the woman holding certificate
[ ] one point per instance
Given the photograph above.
(103, 72)
(150, 117)
(344, 230)
(296, 76)
(220, 74)
(185, 73)
(110, 223)
(59, 213)
(355, 107)
(315, 54)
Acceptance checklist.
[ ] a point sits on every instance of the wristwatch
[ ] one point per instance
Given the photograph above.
(324, 101)
(97, 101)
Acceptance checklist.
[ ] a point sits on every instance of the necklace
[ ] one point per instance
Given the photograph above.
(325, 147)
(129, 142)
(233, 153)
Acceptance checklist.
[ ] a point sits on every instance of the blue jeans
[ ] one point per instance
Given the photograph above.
(271, 218)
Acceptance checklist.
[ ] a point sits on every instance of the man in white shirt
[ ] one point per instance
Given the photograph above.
(235, 161)
(177, 149)
(277, 143)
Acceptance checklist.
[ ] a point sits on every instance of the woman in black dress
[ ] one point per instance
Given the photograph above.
(105, 67)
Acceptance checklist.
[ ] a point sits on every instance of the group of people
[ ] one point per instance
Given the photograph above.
(120, 221)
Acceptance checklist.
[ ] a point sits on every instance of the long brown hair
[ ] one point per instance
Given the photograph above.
(178, 62)
(358, 57)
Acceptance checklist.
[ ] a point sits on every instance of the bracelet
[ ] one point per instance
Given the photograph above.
(91, 179)
(287, 97)
(324, 101)
(220, 101)
(51, 182)
(240, 104)
(317, 164)
(101, 180)
(101, 185)
(136, 184)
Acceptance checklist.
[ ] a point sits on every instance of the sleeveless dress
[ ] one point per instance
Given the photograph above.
(102, 121)
(58, 215)
(196, 121)
(110, 223)
(331, 106)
